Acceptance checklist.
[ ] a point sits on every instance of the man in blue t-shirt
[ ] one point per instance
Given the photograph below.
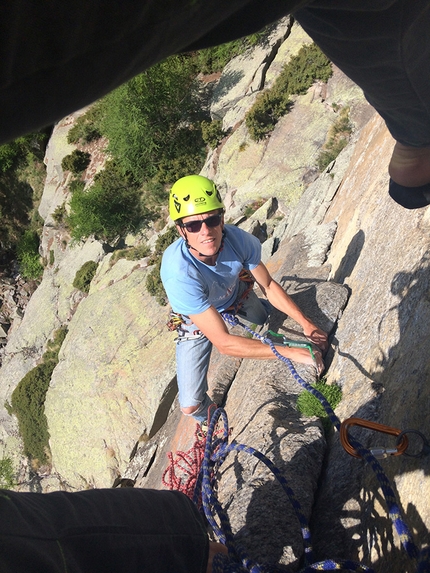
(203, 275)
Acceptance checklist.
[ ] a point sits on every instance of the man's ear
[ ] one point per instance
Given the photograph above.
(181, 231)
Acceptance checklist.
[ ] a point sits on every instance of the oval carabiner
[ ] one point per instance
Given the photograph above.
(400, 448)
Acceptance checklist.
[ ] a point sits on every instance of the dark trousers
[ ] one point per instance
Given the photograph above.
(119, 530)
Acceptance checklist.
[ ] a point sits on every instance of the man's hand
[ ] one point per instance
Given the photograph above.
(304, 356)
(316, 336)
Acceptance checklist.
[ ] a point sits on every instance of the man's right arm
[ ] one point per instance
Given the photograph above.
(214, 328)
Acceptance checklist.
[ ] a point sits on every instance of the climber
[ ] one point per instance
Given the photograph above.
(201, 275)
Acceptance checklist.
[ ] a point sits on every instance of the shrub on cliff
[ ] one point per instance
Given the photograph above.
(28, 402)
(84, 276)
(309, 405)
(153, 280)
(212, 132)
(76, 162)
(28, 255)
(337, 138)
(86, 127)
(110, 208)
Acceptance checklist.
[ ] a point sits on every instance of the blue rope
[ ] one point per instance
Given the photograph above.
(390, 498)
(237, 561)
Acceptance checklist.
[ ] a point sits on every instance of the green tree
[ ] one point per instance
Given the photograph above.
(28, 401)
(153, 280)
(15, 152)
(151, 122)
(86, 128)
(28, 255)
(110, 208)
(76, 162)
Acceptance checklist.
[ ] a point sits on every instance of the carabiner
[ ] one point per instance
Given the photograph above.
(282, 340)
(401, 445)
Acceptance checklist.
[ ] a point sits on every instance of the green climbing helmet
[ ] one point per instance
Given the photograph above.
(193, 195)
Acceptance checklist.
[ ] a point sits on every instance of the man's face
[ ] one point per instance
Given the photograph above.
(207, 239)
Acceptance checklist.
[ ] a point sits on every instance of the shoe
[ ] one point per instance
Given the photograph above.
(410, 197)
(204, 426)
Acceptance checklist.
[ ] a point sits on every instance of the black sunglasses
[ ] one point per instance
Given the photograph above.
(195, 226)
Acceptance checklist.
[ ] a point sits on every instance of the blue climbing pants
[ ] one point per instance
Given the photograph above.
(193, 355)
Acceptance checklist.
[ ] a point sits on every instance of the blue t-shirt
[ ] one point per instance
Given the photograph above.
(192, 286)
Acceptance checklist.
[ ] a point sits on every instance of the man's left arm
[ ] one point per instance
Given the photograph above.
(283, 302)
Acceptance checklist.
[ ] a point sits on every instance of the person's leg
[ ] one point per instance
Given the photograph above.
(122, 530)
(192, 363)
(385, 48)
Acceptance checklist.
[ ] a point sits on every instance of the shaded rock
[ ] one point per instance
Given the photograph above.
(381, 252)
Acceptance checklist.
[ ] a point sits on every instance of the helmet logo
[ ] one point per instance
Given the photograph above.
(200, 200)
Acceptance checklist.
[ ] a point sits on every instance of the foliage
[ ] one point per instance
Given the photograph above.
(151, 123)
(212, 132)
(337, 139)
(153, 280)
(15, 152)
(59, 215)
(110, 208)
(131, 253)
(76, 162)
(297, 76)
(22, 176)
(164, 240)
(28, 255)
(309, 405)
(154, 285)
(86, 128)
(76, 185)
(28, 401)
(7, 477)
(84, 276)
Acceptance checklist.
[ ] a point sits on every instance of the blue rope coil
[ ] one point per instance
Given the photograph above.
(216, 451)
(215, 454)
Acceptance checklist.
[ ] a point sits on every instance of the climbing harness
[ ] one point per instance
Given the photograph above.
(185, 327)
(216, 448)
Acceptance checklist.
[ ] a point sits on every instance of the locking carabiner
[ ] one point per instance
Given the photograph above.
(380, 453)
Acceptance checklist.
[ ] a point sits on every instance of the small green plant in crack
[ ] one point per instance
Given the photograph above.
(309, 405)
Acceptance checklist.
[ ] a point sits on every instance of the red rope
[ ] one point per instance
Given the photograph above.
(183, 470)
